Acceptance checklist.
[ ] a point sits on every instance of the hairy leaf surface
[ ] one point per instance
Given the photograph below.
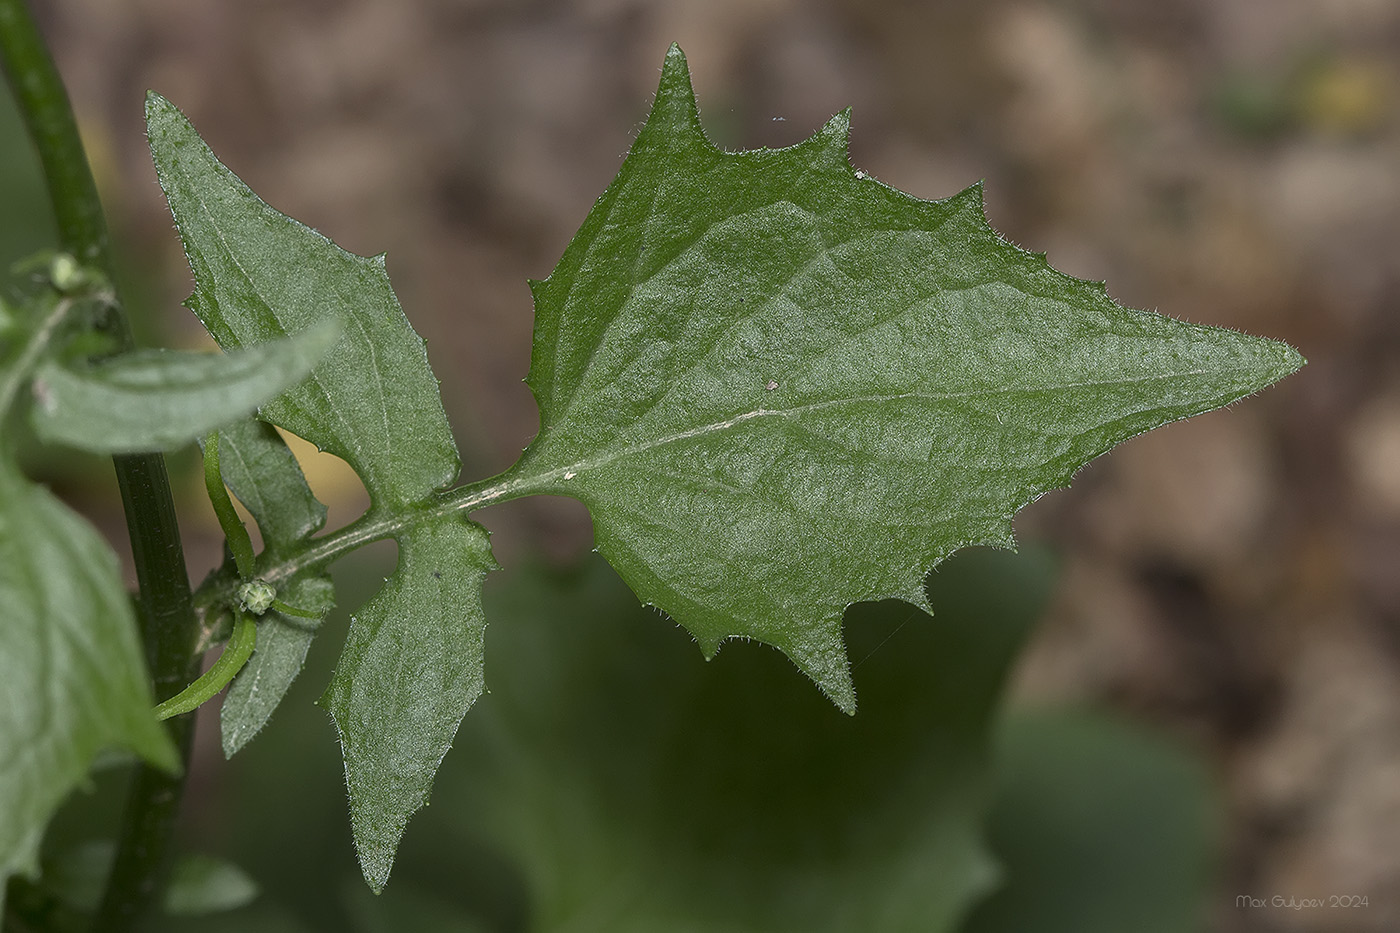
(411, 669)
(154, 400)
(72, 678)
(259, 275)
(782, 387)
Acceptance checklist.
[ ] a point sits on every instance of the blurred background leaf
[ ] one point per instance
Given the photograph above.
(1100, 827)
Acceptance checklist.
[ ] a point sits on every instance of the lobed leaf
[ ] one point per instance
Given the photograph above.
(782, 387)
(72, 678)
(259, 275)
(157, 400)
(411, 668)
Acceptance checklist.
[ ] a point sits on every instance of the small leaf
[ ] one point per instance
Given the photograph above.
(283, 642)
(203, 884)
(153, 400)
(259, 275)
(782, 387)
(77, 875)
(411, 668)
(72, 679)
(263, 473)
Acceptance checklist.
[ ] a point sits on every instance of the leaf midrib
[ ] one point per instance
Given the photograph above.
(590, 463)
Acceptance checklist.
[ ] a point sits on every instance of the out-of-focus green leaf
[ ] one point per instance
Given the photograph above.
(153, 400)
(259, 275)
(77, 875)
(199, 884)
(202, 884)
(782, 387)
(411, 668)
(642, 791)
(72, 680)
(1100, 828)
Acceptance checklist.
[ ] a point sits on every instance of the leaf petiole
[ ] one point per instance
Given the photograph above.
(236, 653)
(286, 610)
(234, 530)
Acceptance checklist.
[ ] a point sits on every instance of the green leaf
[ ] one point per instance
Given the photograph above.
(372, 401)
(1100, 827)
(72, 680)
(782, 387)
(77, 876)
(411, 668)
(283, 642)
(153, 400)
(263, 473)
(641, 791)
(199, 884)
(203, 884)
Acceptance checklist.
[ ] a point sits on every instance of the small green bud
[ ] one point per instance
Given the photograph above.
(65, 273)
(257, 596)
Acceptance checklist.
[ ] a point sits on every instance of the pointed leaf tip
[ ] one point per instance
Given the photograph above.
(410, 670)
(675, 107)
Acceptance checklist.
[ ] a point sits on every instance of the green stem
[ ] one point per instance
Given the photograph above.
(234, 530)
(44, 104)
(167, 618)
(218, 590)
(236, 654)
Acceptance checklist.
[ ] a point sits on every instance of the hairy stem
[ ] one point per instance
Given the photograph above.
(167, 614)
(218, 592)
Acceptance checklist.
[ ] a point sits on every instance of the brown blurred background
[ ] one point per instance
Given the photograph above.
(1231, 162)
